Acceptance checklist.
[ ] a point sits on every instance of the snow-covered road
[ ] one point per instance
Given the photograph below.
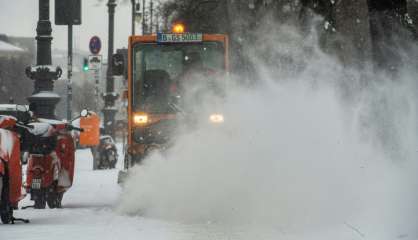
(89, 213)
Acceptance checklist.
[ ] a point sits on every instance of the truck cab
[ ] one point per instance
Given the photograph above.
(169, 74)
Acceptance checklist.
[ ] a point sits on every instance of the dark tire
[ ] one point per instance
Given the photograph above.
(40, 202)
(54, 200)
(6, 215)
(100, 165)
(104, 162)
(96, 159)
(113, 166)
(126, 161)
(59, 199)
(6, 211)
(112, 159)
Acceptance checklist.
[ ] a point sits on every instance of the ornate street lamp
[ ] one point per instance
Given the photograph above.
(43, 100)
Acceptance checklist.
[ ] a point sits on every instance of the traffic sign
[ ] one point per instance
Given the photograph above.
(95, 45)
(67, 12)
(95, 62)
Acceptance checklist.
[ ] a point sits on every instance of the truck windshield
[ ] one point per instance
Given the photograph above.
(163, 74)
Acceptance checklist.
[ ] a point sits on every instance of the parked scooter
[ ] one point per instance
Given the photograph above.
(51, 156)
(107, 153)
(10, 169)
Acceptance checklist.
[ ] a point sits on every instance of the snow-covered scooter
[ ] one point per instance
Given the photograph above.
(51, 156)
(10, 169)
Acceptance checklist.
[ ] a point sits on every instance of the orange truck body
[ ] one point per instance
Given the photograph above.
(135, 148)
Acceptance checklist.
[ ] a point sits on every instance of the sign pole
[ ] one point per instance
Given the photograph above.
(95, 152)
(143, 17)
(95, 63)
(68, 12)
(97, 91)
(133, 17)
(70, 72)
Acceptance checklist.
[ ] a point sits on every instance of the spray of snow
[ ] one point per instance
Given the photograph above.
(310, 148)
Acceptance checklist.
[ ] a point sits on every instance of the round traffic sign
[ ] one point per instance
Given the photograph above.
(95, 45)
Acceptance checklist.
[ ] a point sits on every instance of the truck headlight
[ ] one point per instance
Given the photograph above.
(140, 119)
(216, 118)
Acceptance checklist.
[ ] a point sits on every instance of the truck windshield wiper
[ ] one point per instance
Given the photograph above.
(176, 108)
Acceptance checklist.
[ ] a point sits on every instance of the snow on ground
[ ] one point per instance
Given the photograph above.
(89, 213)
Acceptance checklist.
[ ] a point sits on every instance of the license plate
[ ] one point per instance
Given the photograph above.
(36, 184)
(179, 37)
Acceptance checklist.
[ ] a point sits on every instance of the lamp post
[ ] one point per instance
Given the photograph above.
(151, 10)
(133, 16)
(43, 100)
(70, 72)
(143, 18)
(109, 110)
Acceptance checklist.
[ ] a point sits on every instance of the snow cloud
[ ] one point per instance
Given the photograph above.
(313, 147)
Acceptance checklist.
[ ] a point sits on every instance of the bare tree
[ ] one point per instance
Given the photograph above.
(83, 97)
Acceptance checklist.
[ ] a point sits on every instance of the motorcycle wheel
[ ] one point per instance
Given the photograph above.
(6, 215)
(54, 200)
(96, 157)
(59, 199)
(6, 211)
(112, 159)
(100, 166)
(103, 162)
(40, 202)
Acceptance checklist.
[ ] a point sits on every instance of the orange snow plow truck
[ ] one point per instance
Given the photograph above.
(161, 67)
